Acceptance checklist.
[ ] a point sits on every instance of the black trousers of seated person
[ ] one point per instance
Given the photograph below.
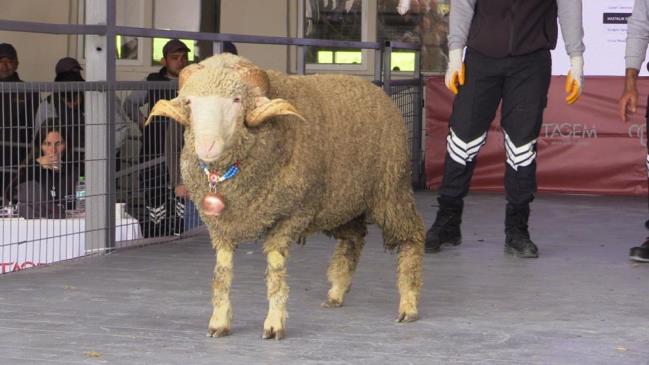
(521, 83)
(158, 210)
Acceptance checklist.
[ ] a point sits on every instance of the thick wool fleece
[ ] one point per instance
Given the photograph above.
(348, 159)
(345, 164)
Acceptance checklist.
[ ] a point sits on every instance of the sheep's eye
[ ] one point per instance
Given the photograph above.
(236, 99)
(187, 101)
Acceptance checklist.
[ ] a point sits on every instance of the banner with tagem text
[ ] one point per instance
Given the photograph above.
(582, 148)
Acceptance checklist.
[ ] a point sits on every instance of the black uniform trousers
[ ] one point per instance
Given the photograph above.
(521, 83)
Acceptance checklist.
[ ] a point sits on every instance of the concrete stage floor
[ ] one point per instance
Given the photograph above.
(581, 302)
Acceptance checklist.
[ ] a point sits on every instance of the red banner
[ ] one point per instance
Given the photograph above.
(582, 148)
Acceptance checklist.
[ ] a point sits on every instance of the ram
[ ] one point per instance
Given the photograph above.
(276, 157)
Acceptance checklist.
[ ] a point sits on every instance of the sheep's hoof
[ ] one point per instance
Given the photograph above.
(272, 333)
(407, 317)
(332, 303)
(218, 332)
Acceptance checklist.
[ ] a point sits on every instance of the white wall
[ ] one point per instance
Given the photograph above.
(255, 17)
(605, 42)
(176, 15)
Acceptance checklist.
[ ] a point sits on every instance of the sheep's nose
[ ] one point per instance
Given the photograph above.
(206, 148)
(205, 145)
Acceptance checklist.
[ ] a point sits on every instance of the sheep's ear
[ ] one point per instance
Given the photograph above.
(175, 109)
(266, 108)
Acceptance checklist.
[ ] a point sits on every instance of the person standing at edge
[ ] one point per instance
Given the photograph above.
(507, 59)
(637, 39)
(163, 206)
(16, 118)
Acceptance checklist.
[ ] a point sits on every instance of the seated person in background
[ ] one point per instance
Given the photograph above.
(44, 187)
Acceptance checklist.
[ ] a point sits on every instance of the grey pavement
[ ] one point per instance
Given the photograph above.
(581, 302)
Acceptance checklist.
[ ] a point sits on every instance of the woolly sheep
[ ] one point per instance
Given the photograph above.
(315, 153)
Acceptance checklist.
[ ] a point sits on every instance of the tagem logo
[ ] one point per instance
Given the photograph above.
(639, 131)
(569, 133)
(6, 267)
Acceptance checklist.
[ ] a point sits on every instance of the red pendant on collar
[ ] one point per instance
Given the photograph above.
(213, 204)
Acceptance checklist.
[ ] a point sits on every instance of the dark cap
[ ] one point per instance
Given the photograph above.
(174, 45)
(229, 47)
(7, 50)
(69, 76)
(66, 64)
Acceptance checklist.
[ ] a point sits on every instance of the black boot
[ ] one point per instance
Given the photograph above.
(641, 253)
(517, 237)
(446, 229)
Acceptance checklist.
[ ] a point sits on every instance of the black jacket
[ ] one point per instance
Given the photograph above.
(17, 112)
(155, 95)
(154, 134)
(501, 28)
(45, 193)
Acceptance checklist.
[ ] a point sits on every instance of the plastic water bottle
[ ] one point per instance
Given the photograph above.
(80, 195)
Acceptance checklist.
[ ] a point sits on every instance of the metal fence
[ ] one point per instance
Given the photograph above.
(108, 184)
(48, 134)
(408, 96)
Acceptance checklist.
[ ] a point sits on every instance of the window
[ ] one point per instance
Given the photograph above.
(419, 21)
(414, 21)
(130, 13)
(403, 61)
(335, 20)
(127, 47)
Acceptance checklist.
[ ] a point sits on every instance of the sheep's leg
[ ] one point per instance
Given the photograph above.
(403, 229)
(222, 312)
(406, 227)
(277, 294)
(409, 278)
(341, 268)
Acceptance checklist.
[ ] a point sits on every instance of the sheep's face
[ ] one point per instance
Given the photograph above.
(213, 121)
(216, 98)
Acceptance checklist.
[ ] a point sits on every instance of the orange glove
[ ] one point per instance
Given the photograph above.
(575, 79)
(455, 70)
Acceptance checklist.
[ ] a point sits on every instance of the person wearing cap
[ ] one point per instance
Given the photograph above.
(66, 107)
(8, 63)
(174, 59)
(17, 116)
(67, 69)
(18, 109)
(67, 64)
(162, 212)
(229, 47)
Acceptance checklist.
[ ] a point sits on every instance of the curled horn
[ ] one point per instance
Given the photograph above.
(186, 72)
(253, 76)
(175, 109)
(269, 108)
(264, 107)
